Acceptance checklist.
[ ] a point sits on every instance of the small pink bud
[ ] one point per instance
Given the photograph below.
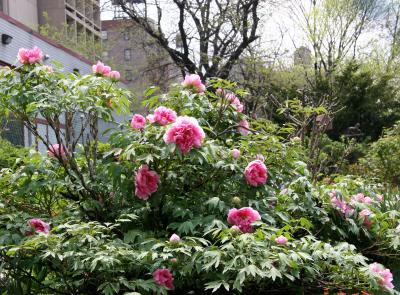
(235, 153)
(281, 240)
(114, 76)
(174, 239)
(380, 198)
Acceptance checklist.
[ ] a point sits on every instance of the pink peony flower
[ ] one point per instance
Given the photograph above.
(30, 56)
(235, 153)
(232, 98)
(138, 121)
(114, 76)
(256, 173)
(56, 151)
(162, 116)
(101, 69)
(193, 81)
(361, 198)
(174, 239)
(341, 205)
(281, 240)
(243, 218)
(163, 277)
(38, 225)
(146, 182)
(243, 128)
(365, 212)
(186, 133)
(384, 273)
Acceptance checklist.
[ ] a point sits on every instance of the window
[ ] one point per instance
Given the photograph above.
(126, 35)
(104, 34)
(1, 5)
(127, 54)
(128, 75)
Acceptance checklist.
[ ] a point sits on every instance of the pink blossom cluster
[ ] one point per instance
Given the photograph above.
(193, 82)
(29, 56)
(146, 182)
(186, 133)
(163, 116)
(138, 121)
(234, 100)
(256, 173)
(101, 69)
(361, 198)
(56, 151)
(384, 273)
(341, 205)
(38, 225)
(243, 218)
(164, 277)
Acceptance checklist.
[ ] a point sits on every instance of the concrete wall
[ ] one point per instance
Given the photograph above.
(24, 11)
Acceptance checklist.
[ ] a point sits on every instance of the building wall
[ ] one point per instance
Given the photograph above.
(82, 18)
(148, 64)
(24, 11)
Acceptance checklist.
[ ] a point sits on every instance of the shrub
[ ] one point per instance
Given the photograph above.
(152, 209)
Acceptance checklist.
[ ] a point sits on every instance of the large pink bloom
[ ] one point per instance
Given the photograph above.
(384, 273)
(243, 127)
(30, 56)
(101, 69)
(256, 173)
(193, 81)
(138, 121)
(243, 218)
(56, 150)
(186, 133)
(38, 225)
(146, 182)
(163, 277)
(162, 116)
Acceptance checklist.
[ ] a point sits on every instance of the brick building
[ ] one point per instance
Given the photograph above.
(140, 60)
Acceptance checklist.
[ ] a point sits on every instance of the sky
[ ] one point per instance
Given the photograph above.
(279, 27)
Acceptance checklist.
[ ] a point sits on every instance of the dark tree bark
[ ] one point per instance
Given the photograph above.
(212, 34)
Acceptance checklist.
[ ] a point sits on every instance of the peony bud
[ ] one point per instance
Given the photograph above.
(174, 239)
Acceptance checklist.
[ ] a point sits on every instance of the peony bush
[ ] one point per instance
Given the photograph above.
(194, 198)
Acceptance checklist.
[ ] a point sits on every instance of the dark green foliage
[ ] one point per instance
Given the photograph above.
(366, 98)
